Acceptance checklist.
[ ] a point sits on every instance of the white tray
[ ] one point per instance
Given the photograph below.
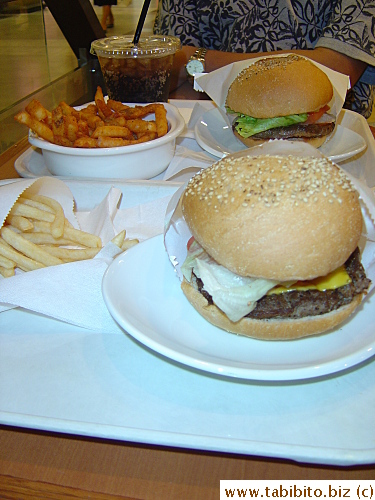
(57, 377)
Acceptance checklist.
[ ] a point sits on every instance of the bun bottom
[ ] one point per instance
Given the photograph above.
(275, 329)
(250, 142)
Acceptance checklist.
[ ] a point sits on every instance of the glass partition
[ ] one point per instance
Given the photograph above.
(38, 61)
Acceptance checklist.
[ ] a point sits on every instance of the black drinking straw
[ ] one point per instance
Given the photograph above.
(141, 21)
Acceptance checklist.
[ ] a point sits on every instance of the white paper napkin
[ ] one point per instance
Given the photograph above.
(188, 159)
(72, 292)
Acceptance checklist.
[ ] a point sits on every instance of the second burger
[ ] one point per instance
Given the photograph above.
(282, 97)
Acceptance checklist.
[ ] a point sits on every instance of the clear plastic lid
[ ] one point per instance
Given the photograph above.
(123, 46)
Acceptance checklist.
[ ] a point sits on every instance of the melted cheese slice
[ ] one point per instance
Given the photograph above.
(331, 281)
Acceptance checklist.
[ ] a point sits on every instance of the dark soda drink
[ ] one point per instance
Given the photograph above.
(137, 73)
(137, 80)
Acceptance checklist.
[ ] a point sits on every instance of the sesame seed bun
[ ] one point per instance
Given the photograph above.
(274, 217)
(279, 86)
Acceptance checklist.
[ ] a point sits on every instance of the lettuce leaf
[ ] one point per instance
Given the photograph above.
(247, 126)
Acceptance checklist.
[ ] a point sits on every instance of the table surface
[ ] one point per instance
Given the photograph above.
(44, 465)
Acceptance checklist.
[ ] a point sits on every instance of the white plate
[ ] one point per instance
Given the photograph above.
(31, 164)
(215, 136)
(142, 293)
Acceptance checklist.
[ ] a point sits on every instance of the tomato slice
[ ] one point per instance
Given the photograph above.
(190, 242)
(314, 116)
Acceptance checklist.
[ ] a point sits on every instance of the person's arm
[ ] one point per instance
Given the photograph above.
(216, 59)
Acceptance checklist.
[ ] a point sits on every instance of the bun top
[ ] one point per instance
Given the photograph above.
(274, 217)
(279, 86)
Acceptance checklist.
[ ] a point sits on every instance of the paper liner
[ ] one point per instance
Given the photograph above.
(46, 186)
(177, 232)
(72, 292)
(69, 292)
(216, 83)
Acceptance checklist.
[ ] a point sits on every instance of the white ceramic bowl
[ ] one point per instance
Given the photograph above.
(138, 161)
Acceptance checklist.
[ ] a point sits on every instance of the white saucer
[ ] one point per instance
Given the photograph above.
(31, 165)
(215, 136)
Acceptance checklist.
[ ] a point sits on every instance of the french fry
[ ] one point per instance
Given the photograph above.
(64, 125)
(116, 105)
(103, 110)
(38, 111)
(5, 262)
(35, 252)
(111, 142)
(42, 234)
(57, 226)
(71, 127)
(31, 212)
(116, 119)
(86, 142)
(137, 125)
(112, 131)
(138, 111)
(82, 238)
(36, 126)
(83, 128)
(41, 226)
(60, 140)
(119, 238)
(72, 254)
(34, 203)
(68, 110)
(20, 222)
(45, 227)
(146, 136)
(92, 109)
(92, 121)
(67, 223)
(129, 243)
(7, 272)
(23, 262)
(40, 238)
(45, 237)
(67, 127)
(161, 120)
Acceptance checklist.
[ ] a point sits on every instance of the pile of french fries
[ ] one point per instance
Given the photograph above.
(37, 234)
(105, 124)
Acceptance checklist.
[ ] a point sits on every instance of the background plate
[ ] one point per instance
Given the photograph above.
(215, 136)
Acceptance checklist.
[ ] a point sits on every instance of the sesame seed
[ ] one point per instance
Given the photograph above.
(279, 178)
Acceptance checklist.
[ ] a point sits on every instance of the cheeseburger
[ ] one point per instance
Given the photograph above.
(281, 98)
(274, 252)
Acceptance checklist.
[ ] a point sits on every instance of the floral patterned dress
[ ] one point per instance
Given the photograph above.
(269, 25)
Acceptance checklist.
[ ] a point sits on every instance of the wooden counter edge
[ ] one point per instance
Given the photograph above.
(7, 159)
(15, 488)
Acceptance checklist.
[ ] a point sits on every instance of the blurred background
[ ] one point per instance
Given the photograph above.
(44, 53)
(38, 61)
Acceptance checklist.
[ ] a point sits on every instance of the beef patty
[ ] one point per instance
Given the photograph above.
(297, 131)
(299, 304)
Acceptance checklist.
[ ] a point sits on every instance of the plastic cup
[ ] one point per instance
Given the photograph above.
(137, 73)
